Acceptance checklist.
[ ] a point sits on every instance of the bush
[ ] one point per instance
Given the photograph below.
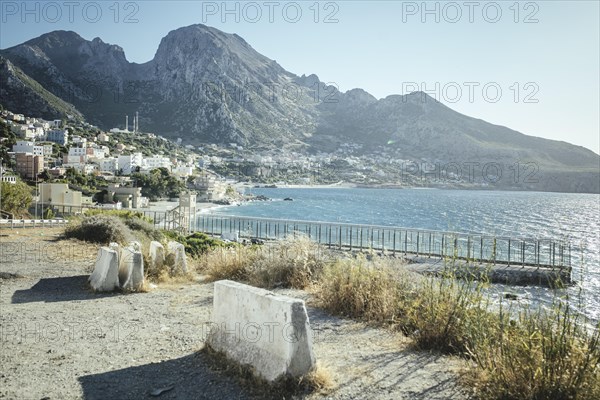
(16, 198)
(197, 243)
(141, 225)
(440, 313)
(123, 214)
(101, 229)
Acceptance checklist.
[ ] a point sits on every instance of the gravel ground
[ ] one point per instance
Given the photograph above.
(61, 341)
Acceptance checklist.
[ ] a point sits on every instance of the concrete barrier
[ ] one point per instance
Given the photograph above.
(176, 255)
(131, 267)
(105, 277)
(157, 256)
(257, 327)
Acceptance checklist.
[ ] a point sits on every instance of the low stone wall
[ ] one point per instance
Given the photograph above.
(257, 327)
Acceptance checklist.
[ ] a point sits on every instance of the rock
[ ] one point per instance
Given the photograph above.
(131, 267)
(157, 256)
(257, 327)
(230, 236)
(105, 277)
(176, 253)
(511, 296)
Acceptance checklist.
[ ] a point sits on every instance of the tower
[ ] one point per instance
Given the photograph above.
(127, 122)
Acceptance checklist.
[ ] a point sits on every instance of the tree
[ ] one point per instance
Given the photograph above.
(16, 198)
(159, 183)
(8, 139)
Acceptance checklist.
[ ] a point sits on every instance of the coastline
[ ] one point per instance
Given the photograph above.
(162, 206)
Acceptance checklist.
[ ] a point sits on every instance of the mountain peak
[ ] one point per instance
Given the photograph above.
(205, 85)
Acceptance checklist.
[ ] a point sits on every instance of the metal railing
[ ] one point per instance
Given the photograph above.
(31, 223)
(417, 242)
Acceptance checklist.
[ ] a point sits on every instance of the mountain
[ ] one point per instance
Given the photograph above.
(207, 85)
(21, 94)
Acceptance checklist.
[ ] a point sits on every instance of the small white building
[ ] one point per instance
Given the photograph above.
(128, 163)
(108, 165)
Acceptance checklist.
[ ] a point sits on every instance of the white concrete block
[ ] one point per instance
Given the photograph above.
(157, 256)
(131, 268)
(105, 277)
(257, 327)
(176, 253)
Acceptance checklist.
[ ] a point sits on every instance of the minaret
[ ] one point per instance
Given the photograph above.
(137, 122)
(127, 122)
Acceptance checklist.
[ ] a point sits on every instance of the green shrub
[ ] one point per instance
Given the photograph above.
(197, 243)
(101, 229)
(141, 225)
(123, 214)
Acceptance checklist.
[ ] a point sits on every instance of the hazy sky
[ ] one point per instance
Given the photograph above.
(531, 66)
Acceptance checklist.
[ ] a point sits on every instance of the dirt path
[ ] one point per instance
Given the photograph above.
(61, 341)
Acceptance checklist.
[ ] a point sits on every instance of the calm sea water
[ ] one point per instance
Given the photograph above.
(513, 214)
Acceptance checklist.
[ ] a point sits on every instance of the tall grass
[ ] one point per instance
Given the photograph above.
(513, 352)
(295, 263)
(542, 354)
(359, 289)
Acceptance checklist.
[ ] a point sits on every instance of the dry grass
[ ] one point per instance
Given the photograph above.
(543, 354)
(320, 379)
(295, 263)
(317, 380)
(359, 289)
(227, 263)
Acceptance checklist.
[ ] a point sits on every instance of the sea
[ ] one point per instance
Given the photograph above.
(542, 215)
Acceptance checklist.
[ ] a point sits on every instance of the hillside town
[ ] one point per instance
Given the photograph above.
(55, 155)
(52, 154)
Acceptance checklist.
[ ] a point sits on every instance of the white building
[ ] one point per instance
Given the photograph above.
(128, 163)
(156, 161)
(108, 165)
(23, 146)
(27, 147)
(9, 178)
(183, 170)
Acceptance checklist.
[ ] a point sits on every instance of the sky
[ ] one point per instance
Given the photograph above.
(533, 66)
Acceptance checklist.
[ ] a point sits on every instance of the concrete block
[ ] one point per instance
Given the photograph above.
(131, 268)
(176, 254)
(257, 327)
(157, 256)
(105, 277)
